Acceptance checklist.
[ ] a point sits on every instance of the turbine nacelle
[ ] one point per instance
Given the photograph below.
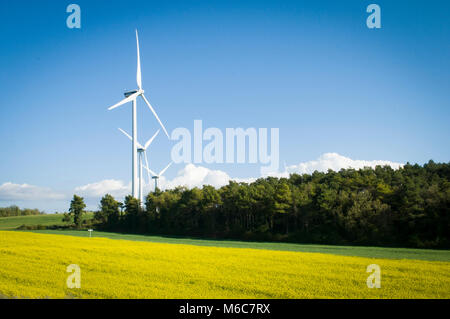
(141, 148)
(132, 96)
(157, 176)
(128, 93)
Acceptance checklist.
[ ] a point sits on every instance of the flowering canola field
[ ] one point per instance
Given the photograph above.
(34, 266)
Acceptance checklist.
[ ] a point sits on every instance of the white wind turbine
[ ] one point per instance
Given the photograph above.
(157, 176)
(142, 155)
(131, 96)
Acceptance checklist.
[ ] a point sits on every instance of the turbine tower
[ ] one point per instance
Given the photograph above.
(157, 176)
(131, 96)
(142, 155)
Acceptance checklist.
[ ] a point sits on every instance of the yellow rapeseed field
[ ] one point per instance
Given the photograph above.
(34, 266)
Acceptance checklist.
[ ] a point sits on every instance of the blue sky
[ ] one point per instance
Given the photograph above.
(310, 68)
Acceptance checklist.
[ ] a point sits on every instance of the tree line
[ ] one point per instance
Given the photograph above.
(407, 207)
(14, 210)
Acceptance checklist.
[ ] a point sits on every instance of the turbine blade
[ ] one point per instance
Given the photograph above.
(149, 170)
(138, 72)
(128, 135)
(150, 140)
(146, 163)
(156, 115)
(165, 169)
(125, 100)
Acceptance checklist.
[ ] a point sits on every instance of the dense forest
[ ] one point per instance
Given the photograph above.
(16, 211)
(408, 207)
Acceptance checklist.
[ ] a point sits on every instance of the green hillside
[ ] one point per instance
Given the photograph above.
(9, 223)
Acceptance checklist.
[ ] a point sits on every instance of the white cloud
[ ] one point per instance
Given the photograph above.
(197, 176)
(24, 192)
(336, 162)
(190, 176)
(107, 186)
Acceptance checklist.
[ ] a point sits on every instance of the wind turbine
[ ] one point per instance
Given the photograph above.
(132, 96)
(142, 154)
(157, 176)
